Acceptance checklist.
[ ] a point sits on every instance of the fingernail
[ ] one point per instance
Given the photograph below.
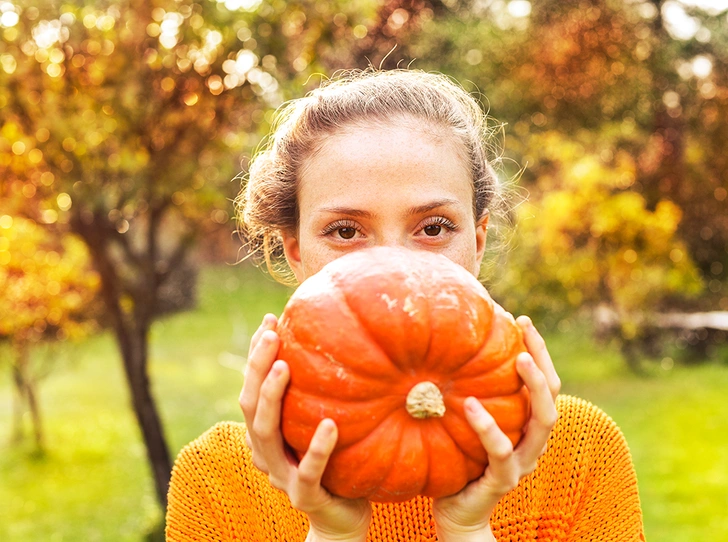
(329, 426)
(524, 358)
(472, 404)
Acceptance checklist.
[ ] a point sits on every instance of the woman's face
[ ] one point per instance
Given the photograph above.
(400, 184)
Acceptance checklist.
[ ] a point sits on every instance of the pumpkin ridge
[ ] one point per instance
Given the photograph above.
(477, 352)
(463, 450)
(382, 474)
(379, 410)
(342, 302)
(471, 298)
(381, 397)
(324, 364)
(426, 455)
(382, 491)
(512, 352)
(366, 329)
(431, 334)
(432, 453)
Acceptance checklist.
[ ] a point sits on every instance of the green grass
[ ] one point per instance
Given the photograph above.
(93, 484)
(676, 424)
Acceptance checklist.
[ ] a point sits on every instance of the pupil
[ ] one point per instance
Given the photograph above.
(347, 233)
(433, 230)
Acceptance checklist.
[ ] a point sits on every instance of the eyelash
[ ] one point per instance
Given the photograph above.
(339, 224)
(430, 221)
(439, 221)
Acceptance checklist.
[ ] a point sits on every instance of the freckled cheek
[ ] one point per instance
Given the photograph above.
(465, 255)
(314, 257)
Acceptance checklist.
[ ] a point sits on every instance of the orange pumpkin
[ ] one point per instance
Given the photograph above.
(388, 343)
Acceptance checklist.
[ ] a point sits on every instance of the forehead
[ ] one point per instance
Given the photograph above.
(387, 162)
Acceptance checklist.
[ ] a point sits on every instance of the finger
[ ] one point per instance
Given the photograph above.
(266, 430)
(543, 412)
(258, 459)
(314, 462)
(537, 348)
(501, 467)
(259, 364)
(269, 322)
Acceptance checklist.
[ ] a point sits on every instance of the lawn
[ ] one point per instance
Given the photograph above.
(93, 483)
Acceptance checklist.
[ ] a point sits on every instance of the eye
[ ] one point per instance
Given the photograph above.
(434, 226)
(346, 233)
(432, 230)
(342, 229)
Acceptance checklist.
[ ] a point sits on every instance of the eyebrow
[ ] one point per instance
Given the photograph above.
(347, 211)
(416, 210)
(420, 209)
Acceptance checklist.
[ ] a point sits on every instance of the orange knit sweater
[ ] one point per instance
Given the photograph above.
(584, 488)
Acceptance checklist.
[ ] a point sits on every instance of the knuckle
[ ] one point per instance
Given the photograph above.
(537, 341)
(260, 464)
(551, 418)
(263, 431)
(315, 452)
(509, 481)
(556, 385)
(500, 453)
(540, 378)
(298, 502)
(270, 390)
(307, 478)
(547, 421)
(266, 391)
(247, 406)
(277, 482)
(485, 425)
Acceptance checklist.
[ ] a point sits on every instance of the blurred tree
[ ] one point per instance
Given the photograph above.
(134, 111)
(595, 243)
(48, 295)
(648, 79)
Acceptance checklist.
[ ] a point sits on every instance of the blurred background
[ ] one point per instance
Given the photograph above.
(124, 319)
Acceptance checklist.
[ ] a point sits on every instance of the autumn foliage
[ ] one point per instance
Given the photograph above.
(49, 294)
(124, 122)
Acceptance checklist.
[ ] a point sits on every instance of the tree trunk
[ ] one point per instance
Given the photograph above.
(131, 329)
(133, 345)
(26, 393)
(18, 406)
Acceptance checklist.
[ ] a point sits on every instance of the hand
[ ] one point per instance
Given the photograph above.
(466, 515)
(331, 518)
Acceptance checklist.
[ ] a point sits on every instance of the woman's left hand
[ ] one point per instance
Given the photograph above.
(465, 516)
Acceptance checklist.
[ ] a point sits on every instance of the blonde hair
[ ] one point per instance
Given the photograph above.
(267, 203)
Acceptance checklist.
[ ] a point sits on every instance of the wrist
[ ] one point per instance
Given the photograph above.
(355, 533)
(475, 535)
(316, 536)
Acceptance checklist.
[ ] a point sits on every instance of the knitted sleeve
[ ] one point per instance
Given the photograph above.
(189, 510)
(606, 499)
(216, 494)
(584, 489)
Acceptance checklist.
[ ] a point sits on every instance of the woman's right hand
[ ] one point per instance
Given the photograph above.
(330, 517)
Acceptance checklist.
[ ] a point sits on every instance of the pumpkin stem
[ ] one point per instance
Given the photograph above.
(424, 400)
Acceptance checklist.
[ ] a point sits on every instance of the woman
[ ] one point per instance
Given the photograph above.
(392, 158)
